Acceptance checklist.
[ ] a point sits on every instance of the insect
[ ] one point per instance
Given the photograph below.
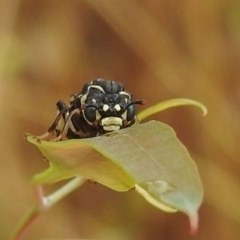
(102, 106)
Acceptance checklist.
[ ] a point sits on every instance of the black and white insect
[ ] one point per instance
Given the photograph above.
(102, 106)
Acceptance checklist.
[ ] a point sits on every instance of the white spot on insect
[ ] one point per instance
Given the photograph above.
(105, 107)
(125, 93)
(117, 107)
(94, 100)
(111, 123)
(84, 97)
(124, 115)
(98, 116)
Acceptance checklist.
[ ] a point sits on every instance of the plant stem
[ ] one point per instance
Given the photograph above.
(44, 203)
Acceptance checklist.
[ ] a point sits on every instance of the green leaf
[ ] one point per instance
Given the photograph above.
(72, 158)
(148, 156)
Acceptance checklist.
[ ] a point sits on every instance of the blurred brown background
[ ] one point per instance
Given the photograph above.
(158, 50)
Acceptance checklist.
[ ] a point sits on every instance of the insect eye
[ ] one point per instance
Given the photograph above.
(90, 114)
(130, 113)
(130, 108)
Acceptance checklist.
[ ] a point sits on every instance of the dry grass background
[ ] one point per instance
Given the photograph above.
(159, 50)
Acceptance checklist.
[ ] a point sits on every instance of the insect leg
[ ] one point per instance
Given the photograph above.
(55, 128)
(63, 133)
(61, 106)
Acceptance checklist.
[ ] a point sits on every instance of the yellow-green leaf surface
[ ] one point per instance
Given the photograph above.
(148, 156)
(72, 158)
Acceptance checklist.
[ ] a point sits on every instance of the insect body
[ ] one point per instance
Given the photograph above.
(102, 106)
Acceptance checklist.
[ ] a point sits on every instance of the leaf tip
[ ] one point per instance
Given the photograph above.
(193, 218)
(205, 111)
(198, 104)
